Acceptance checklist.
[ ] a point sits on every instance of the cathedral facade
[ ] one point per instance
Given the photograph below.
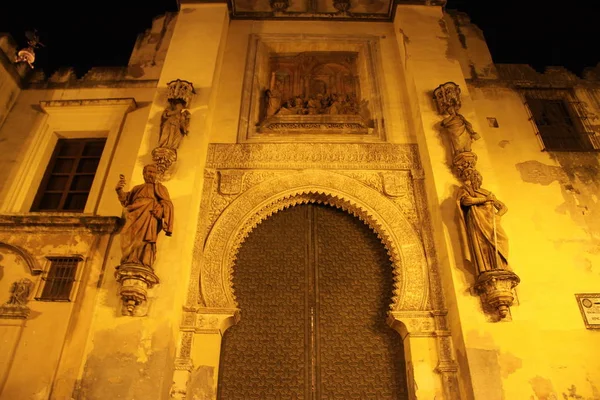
(300, 200)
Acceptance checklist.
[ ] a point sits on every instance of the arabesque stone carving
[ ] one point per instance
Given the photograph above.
(16, 306)
(370, 181)
(480, 210)
(238, 219)
(148, 211)
(174, 124)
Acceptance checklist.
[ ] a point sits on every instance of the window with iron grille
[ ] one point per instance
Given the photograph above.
(68, 179)
(561, 123)
(58, 282)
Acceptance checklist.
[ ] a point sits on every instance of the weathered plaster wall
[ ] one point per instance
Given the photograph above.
(150, 50)
(553, 225)
(54, 339)
(41, 356)
(467, 43)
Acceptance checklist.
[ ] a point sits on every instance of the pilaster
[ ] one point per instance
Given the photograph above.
(141, 348)
(428, 61)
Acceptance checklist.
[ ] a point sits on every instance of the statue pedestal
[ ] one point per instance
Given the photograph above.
(495, 289)
(462, 162)
(135, 280)
(15, 311)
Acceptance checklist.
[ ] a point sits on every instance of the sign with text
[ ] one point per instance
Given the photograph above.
(589, 305)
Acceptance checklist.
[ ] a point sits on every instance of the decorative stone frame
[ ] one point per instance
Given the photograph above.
(8, 311)
(72, 119)
(256, 80)
(416, 310)
(258, 203)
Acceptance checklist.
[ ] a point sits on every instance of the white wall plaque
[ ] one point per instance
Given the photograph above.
(589, 305)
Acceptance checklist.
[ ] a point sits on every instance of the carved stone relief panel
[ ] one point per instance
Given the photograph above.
(299, 88)
(358, 10)
(314, 91)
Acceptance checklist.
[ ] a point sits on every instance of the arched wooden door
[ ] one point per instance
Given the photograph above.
(313, 284)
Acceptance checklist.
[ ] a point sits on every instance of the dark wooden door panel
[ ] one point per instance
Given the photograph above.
(263, 356)
(314, 285)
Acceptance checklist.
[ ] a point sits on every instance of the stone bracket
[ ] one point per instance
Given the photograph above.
(496, 290)
(14, 311)
(134, 281)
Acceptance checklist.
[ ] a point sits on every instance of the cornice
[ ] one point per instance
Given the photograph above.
(127, 102)
(59, 222)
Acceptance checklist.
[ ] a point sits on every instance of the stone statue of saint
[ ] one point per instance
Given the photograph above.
(19, 292)
(273, 96)
(148, 210)
(174, 124)
(480, 213)
(16, 306)
(461, 131)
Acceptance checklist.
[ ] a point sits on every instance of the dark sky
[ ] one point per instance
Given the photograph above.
(102, 33)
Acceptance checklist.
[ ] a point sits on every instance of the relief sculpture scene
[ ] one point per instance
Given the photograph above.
(314, 91)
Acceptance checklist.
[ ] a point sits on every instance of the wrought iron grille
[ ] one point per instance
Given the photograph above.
(561, 121)
(58, 283)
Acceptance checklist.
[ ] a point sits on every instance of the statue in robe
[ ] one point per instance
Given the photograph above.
(460, 131)
(480, 213)
(148, 211)
(273, 96)
(174, 125)
(20, 291)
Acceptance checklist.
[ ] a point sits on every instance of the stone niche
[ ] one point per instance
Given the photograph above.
(310, 87)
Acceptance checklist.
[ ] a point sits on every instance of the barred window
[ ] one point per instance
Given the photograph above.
(58, 282)
(561, 124)
(68, 179)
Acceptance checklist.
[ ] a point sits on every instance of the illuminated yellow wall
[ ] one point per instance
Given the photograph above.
(553, 224)
(545, 352)
(93, 352)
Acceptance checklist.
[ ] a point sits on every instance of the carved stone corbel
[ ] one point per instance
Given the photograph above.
(342, 6)
(496, 290)
(279, 6)
(135, 280)
(16, 306)
(163, 158)
(174, 124)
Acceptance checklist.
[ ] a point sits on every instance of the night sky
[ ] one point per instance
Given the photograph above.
(103, 33)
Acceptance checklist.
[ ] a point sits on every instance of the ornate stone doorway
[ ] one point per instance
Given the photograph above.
(314, 285)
